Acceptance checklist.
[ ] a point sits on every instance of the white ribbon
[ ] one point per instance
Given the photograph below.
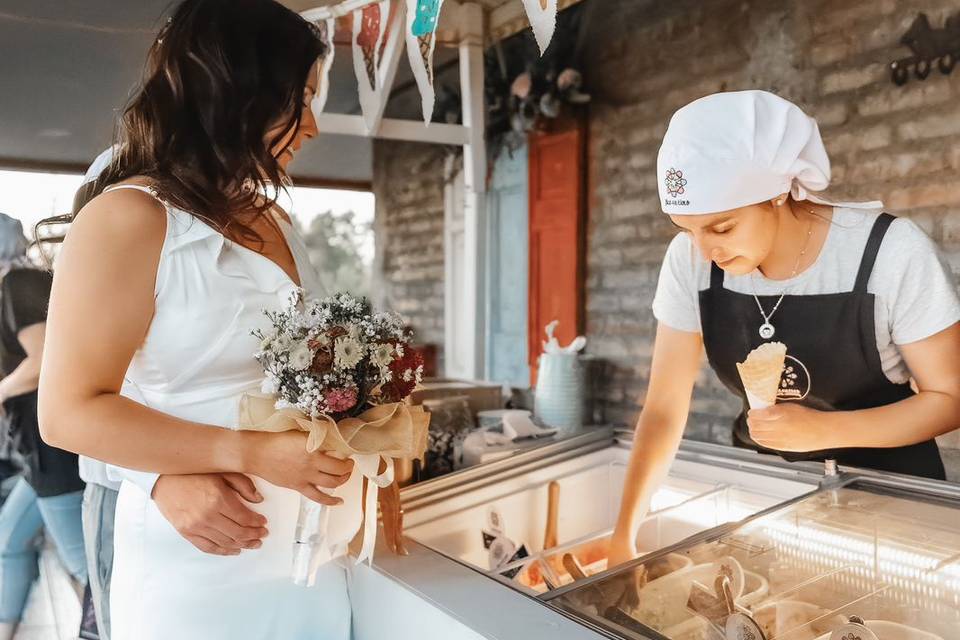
(369, 466)
(338, 526)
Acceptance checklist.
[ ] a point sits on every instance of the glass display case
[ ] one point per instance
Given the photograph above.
(540, 527)
(869, 559)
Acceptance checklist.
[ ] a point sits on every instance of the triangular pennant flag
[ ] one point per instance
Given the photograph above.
(422, 19)
(543, 18)
(326, 28)
(369, 26)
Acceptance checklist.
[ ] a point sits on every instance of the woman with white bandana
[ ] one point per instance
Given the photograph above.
(862, 300)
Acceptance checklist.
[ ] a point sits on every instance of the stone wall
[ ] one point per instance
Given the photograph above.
(899, 144)
(644, 59)
(408, 228)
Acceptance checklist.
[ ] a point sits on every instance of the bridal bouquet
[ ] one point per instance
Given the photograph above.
(340, 372)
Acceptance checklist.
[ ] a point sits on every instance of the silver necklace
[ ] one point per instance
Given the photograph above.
(767, 330)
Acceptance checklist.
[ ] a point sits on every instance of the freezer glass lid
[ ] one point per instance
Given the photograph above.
(862, 562)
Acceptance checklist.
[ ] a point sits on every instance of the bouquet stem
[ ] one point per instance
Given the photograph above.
(307, 543)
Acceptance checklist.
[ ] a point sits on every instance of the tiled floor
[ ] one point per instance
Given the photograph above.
(53, 608)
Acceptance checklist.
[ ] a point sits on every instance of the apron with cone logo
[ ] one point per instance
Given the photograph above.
(833, 362)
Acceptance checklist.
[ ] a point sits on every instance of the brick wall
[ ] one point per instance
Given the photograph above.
(645, 59)
(408, 227)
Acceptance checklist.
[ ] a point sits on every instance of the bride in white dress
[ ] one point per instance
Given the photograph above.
(149, 346)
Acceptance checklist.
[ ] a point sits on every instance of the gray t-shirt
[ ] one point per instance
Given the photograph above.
(915, 292)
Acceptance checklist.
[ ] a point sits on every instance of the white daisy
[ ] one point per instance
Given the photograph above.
(300, 357)
(267, 340)
(282, 343)
(382, 355)
(347, 352)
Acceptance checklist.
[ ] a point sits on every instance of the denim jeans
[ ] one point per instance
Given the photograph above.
(99, 508)
(22, 518)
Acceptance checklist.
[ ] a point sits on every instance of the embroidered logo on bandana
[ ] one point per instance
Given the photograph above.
(675, 182)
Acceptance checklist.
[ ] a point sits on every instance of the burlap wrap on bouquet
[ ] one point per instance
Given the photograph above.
(383, 432)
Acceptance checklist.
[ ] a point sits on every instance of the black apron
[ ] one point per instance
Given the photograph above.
(833, 363)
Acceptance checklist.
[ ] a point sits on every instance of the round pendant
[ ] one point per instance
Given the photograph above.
(767, 331)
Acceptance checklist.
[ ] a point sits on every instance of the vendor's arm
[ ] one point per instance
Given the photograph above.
(676, 364)
(935, 365)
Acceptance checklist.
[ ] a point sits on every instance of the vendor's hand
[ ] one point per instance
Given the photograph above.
(622, 549)
(789, 427)
(208, 510)
(282, 459)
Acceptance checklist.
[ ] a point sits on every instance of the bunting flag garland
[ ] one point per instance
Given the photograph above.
(326, 28)
(375, 24)
(422, 19)
(543, 19)
(369, 27)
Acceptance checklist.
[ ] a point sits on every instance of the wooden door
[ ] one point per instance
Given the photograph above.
(508, 218)
(556, 170)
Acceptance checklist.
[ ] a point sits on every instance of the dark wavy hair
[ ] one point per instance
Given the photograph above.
(220, 77)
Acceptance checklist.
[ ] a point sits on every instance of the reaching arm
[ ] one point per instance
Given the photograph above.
(676, 364)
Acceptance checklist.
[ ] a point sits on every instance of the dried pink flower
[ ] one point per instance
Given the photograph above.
(340, 399)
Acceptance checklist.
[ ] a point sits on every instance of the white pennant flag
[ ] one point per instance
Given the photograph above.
(543, 19)
(422, 19)
(369, 27)
(327, 28)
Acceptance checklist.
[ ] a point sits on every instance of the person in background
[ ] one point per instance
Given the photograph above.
(100, 495)
(50, 492)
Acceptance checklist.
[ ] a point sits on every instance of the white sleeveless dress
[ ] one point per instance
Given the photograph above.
(195, 363)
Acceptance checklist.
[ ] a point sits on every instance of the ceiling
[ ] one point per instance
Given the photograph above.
(68, 68)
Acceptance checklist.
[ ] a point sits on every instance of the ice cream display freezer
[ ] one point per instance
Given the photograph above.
(867, 559)
(517, 548)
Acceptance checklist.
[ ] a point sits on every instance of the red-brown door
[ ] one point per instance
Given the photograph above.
(556, 187)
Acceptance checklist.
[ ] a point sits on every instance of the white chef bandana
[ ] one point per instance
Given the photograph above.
(734, 149)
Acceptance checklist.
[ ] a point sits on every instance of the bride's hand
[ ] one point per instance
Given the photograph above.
(282, 459)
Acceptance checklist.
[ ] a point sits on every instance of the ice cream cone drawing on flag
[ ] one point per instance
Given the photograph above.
(422, 19)
(367, 35)
(369, 27)
(761, 373)
(543, 20)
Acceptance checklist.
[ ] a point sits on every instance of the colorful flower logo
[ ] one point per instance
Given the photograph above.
(675, 182)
